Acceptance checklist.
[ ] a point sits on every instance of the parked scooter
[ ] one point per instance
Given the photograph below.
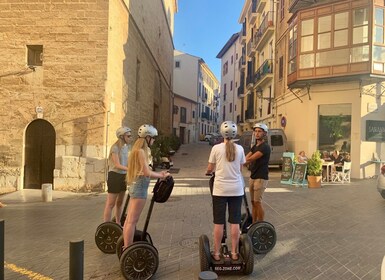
(166, 160)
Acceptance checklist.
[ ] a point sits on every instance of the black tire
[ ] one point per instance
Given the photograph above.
(263, 237)
(246, 251)
(139, 261)
(204, 253)
(119, 246)
(106, 236)
(383, 193)
(137, 238)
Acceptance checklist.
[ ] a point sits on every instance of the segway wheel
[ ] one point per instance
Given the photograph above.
(106, 236)
(204, 253)
(139, 261)
(263, 237)
(246, 250)
(137, 237)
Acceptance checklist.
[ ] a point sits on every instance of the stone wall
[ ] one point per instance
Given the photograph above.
(87, 86)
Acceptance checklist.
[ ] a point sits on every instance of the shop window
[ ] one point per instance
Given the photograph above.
(334, 126)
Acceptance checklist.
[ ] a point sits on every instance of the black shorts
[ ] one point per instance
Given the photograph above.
(219, 209)
(116, 182)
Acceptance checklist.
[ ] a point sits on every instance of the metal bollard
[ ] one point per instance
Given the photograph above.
(46, 192)
(208, 275)
(2, 249)
(76, 260)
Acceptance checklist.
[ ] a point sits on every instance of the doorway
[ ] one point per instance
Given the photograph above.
(181, 134)
(40, 140)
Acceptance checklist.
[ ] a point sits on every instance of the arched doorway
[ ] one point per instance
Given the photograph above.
(39, 162)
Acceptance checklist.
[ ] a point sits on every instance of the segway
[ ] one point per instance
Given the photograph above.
(140, 260)
(262, 234)
(245, 262)
(108, 233)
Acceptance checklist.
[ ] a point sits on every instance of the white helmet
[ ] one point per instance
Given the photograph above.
(122, 130)
(228, 129)
(261, 126)
(147, 130)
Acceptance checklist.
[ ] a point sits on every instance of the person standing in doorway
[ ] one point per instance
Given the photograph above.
(117, 169)
(227, 159)
(258, 160)
(138, 177)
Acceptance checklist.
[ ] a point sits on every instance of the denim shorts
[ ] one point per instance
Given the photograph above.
(139, 188)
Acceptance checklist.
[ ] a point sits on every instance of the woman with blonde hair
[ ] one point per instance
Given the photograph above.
(227, 159)
(138, 176)
(117, 169)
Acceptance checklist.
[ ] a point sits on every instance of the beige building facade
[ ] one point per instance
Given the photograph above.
(329, 79)
(196, 83)
(73, 73)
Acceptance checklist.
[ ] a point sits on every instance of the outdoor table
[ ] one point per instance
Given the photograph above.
(328, 165)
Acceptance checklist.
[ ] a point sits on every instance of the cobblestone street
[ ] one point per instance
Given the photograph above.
(336, 232)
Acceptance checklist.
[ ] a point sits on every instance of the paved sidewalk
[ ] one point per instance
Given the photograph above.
(336, 232)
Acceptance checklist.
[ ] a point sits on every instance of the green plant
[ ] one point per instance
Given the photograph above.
(314, 164)
(163, 144)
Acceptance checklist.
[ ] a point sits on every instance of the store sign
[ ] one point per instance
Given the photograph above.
(375, 131)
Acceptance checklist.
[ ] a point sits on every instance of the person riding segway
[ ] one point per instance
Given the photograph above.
(110, 230)
(262, 233)
(139, 259)
(227, 190)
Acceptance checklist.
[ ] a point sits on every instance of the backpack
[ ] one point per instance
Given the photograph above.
(162, 189)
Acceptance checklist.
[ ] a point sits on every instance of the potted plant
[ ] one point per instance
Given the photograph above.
(314, 169)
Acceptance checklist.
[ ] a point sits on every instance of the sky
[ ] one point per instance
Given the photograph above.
(202, 28)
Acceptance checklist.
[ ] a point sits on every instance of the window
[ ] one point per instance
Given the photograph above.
(379, 26)
(280, 71)
(360, 25)
(307, 31)
(193, 114)
(341, 21)
(35, 55)
(231, 85)
(324, 32)
(232, 60)
(225, 68)
(334, 126)
(282, 9)
(334, 57)
(293, 48)
(177, 64)
(183, 115)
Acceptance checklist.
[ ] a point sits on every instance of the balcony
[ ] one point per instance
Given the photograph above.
(252, 13)
(295, 5)
(264, 73)
(250, 47)
(249, 114)
(265, 31)
(249, 82)
(241, 63)
(241, 92)
(243, 33)
(205, 115)
(261, 5)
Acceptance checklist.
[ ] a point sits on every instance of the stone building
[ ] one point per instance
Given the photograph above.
(73, 72)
